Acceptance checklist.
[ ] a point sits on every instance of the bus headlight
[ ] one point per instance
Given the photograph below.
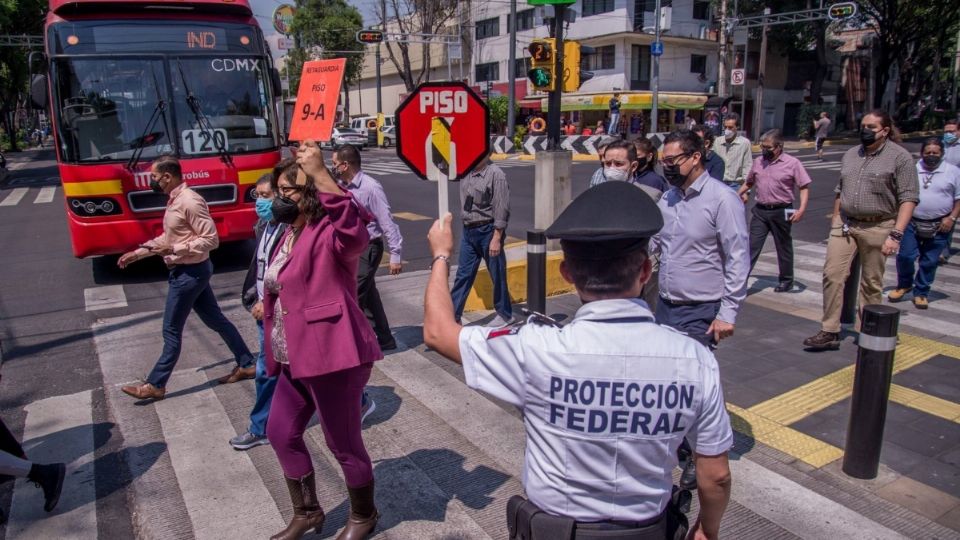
(94, 206)
(251, 194)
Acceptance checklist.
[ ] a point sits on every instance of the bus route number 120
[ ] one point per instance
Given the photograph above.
(202, 141)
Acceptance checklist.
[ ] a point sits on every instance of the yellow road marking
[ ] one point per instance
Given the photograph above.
(251, 177)
(909, 397)
(808, 449)
(410, 216)
(90, 189)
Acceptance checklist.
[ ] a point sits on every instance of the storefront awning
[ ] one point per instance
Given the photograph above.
(631, 101)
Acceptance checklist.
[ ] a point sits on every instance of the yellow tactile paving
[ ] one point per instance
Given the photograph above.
(410, 216)
(909, 397)
(803, 447)
(768, 422)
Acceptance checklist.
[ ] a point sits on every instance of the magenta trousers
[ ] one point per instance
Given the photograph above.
(335, 398)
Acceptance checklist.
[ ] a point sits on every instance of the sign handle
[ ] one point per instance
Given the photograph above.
(443, 195)
(442, 155)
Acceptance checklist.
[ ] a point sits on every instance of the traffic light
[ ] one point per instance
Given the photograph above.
(370, 36)
(573, 76)
(541, 64)
(843, 10)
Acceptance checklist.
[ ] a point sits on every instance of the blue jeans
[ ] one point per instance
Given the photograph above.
(189, 289)
(927, 251)
(614, 123)
(264, 385)
(474, 246)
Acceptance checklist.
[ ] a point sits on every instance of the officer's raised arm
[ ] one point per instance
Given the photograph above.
(441, 332)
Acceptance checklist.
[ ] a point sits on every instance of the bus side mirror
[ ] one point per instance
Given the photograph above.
(38, 91)
(275, 81)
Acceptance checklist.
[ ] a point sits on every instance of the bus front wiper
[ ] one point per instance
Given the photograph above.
(202, 119)
(149, 136)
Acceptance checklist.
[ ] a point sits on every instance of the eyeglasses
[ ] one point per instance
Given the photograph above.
(674, 160)
(286, 191)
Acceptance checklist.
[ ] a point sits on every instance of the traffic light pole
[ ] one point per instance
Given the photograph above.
(655, 80)
(553, 111)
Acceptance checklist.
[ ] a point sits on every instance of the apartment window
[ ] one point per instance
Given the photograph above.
(596, 7)
(698, 64)
(488, 72)
(753, 65)
(640, 67)
(603, 58)
(520, 67)
(701, 10)
(488, 28)
(524, 20)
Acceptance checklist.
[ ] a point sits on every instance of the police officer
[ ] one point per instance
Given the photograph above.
(606, 399)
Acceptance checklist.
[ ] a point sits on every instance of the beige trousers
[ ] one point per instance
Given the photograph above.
(865, 239)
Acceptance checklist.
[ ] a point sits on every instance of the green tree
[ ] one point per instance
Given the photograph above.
(18, 17)
(409, 18)
(499, 106)
(325, 28)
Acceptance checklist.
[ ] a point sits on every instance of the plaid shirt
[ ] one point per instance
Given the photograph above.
(873, 186)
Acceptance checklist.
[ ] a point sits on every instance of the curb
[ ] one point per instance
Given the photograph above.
(481, 295)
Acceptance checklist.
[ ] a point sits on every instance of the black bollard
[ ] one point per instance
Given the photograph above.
(851, 292)
(871, 390)
(536, 271)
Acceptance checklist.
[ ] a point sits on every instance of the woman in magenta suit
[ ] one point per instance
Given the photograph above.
(318, 341)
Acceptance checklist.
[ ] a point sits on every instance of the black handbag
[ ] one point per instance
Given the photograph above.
(926, 230)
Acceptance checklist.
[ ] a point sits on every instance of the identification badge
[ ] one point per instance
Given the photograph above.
(788, 213)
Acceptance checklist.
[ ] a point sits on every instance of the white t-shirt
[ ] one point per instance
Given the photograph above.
(938, 190)
(606, 402)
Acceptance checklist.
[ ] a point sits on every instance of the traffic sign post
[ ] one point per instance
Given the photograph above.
(738, 76)
(443, 133)
(316, 105)
(656, 48)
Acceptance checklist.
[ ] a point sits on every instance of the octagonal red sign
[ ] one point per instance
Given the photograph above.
(443, 127)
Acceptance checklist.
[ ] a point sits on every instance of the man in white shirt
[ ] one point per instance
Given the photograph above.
(735, 151)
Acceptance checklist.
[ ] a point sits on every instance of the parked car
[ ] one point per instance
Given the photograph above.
(344, 136)
(389, 136)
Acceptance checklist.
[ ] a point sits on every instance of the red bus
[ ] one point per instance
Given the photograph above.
(130, 80)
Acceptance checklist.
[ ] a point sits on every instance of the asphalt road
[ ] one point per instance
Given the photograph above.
(45, 326)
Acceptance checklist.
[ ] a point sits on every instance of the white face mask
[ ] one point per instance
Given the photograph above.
(729, 134)
(614, 174)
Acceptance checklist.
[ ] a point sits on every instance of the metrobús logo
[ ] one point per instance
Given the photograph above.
(196, 175)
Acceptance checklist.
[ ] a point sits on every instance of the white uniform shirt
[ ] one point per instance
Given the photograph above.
(606, 401)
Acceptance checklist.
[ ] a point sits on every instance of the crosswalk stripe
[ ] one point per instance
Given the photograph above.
(14, 197)
(821, 251)
(46, 195)
(195, 426)
(108, 297)
(58, 429)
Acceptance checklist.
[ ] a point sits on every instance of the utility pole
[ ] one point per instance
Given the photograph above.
(758, 106)
(512, 74)
(553, 113)
(376, 58)
(655, 79)
(722, 64)
(956, 75)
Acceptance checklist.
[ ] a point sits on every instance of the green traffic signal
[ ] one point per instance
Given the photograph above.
(539, 77)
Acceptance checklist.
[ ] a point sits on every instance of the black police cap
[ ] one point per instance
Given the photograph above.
(607, 221)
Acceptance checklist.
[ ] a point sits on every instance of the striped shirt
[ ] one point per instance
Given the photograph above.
(873, 186)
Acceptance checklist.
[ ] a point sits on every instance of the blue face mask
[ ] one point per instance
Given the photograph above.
(949, 138)
(265, 209)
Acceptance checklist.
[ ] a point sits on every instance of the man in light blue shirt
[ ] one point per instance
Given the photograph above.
(704, 246)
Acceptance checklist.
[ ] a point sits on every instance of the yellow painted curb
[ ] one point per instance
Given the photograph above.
(481, 296)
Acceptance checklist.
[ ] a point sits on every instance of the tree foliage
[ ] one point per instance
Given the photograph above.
(17, 17)
(325, 25)
(499, 107)
(411, 17)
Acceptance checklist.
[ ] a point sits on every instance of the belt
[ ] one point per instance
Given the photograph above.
(871, 219)
(778, 206)
(687, 302)
(928, 220)
(476, 224)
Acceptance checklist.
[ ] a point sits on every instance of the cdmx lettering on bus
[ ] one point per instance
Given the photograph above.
(235, 64)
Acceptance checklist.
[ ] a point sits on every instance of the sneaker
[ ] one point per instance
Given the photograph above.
(920, 302)
(368, 405)
(499, 322)
(897, 295)
(49, 478)
(823, 340)
(248, 440)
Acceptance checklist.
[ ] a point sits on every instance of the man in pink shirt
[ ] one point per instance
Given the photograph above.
(189, 234)
(774, 175)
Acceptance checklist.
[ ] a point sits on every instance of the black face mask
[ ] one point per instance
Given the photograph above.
(932, 162)
(642, 164)
(156, 187)
(868, 136)
(285, 210)
(673, 175)
(769, 155)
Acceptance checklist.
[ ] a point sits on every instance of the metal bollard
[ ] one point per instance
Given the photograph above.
(871, 390)
(851, 292)
(536, 271)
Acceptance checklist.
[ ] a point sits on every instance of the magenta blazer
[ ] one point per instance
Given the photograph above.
(325, 328)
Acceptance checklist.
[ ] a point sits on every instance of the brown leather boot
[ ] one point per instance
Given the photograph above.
(363, 514)
(307, 513)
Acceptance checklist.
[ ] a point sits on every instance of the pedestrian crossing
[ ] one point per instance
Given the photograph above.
(942, 317)
(23, 195)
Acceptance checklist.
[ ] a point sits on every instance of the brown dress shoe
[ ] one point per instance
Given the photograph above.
(238, 374)
(363, 514)
(144, 391)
